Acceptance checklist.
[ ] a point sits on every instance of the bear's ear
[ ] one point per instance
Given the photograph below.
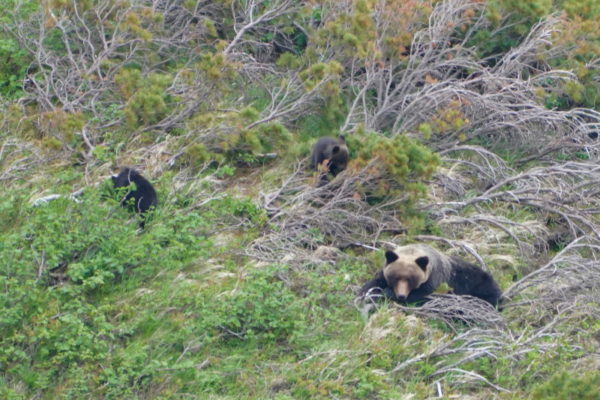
(335, 150)
(422, 262)
(342, 139)
(390, 257)
(114, 179)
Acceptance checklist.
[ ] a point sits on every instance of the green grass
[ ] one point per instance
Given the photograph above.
(95, 308)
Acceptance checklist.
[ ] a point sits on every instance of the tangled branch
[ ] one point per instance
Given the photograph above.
(304, 216)
(565, 192)
(572, 275)
(452, 354)
(254, 14)
(496, 104)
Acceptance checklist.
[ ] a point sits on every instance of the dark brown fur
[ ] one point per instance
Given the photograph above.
(144, 196)
(334, 150)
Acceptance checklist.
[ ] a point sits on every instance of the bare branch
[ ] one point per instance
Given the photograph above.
(332, 214)
(255, 12)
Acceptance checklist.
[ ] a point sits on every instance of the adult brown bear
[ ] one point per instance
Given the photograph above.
(413, 272)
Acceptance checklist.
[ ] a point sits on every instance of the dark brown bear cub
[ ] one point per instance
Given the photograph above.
(415, 271)
(330, 152)
(143, 195)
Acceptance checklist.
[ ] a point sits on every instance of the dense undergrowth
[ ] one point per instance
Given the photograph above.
(471, 125)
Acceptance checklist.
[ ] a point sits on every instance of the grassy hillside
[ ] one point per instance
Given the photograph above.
(472, 126)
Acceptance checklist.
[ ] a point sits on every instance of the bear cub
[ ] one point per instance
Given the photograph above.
(330, 155)
(413, 272)
(144, 196)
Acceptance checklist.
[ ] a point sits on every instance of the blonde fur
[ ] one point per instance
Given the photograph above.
(415, 271)
(405, 266)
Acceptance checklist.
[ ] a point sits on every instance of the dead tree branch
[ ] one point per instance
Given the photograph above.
(251, 14)
(496, 104)
(304, 217)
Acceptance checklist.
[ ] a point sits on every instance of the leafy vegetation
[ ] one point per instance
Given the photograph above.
(472, 125)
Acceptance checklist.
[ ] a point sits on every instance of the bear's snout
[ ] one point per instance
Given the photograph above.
(401, 290)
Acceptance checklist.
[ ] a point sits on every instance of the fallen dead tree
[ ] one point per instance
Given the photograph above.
(303, 216)
(571, 277)
(453, 310)
(562, 196)
(460, 97)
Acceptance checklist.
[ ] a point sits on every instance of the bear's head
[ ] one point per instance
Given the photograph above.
(123, 179)
(405, 272)
(338, 156)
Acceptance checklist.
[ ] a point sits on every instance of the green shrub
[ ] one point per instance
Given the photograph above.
(14, 59)
(565, 385)
(261, 308)
(56, 265)
(150, 103)
(396, 167)
(13, 66)
(231, 141)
